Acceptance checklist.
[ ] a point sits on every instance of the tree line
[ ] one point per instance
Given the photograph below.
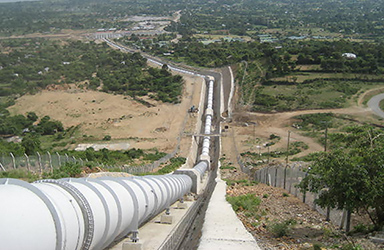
(32, 64)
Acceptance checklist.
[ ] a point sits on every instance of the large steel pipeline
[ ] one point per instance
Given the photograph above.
(82, 213)
(86, 213)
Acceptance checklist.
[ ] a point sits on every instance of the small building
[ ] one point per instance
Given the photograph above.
(350, 56)
(297, 37)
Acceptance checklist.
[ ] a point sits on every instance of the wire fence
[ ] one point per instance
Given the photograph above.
(288, 177)
(38, 163)
(47, 162)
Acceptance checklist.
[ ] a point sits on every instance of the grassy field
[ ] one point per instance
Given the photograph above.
(300, 77)
(382, 104)
(369, 94)
(320, 94)
(214, 37)
(311, 32)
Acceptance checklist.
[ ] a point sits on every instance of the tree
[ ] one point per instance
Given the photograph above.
(31, 144)
(48, 127)
(165, 67)
(351, 178)
(32, 116)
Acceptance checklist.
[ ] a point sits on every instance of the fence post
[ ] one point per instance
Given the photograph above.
(39, 162)
(328, 218)
(28, 163)
(314, 203)
(66, 158)
(266, 176)
(13, 160)
(304, 192)
(348, 222)
(285, 175)
(50, 160)
(2, 167)
(342, 220)
(276, 176)
(58, 157)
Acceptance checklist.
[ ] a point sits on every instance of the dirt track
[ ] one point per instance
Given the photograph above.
(253, 129)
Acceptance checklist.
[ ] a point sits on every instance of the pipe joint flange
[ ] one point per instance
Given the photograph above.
(84, 206)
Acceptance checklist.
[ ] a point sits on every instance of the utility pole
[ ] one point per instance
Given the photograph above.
(325, 135)
(267, 145)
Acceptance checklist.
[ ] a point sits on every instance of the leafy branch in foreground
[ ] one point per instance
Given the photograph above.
(352, 177)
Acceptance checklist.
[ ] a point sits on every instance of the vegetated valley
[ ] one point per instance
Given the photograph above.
(304, 72)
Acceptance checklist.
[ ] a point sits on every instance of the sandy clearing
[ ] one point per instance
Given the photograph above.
(99, 114)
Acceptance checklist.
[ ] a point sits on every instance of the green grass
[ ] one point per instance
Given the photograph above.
(243, 182)
(300, 76)
(368, 96)
(382, 104)
(20, 174)
(172, 165)
(227, 167)
(248, 202)
(316, 94)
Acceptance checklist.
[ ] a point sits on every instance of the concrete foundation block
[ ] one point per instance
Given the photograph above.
(132, 246)
(379, 240)
(195, 176)
(206, 158)
(182, 205)
(166, 219)
(189, 198)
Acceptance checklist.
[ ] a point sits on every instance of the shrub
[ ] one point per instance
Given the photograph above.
(107, 138)
(278, 229)
(248, 202)
(273, 136)
(351, 246)
(65, 171)
(360, 228)
(154, 156)
(317, 246)
(19, 174)
(228, 167)
(174, 164)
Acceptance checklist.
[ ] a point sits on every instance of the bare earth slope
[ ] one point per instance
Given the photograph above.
(121, 117)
